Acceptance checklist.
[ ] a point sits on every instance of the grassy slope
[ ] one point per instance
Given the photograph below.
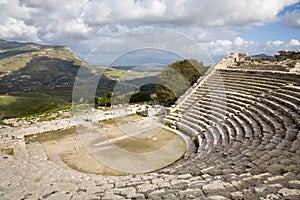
(12, 106)
(14, 58)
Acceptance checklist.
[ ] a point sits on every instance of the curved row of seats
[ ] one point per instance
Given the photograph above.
(240, 119)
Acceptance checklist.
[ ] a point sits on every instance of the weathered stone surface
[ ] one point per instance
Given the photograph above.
(271, 197)
(244, 183)
(157, 181)
(185, 176)
(217, 197)
(287, 193)
(112, 196)
(294, 184)
(119, 184)
(67, 187)
(197, 184)
(179, 184)
(145, 188)
(59, 195)
(218, 187)
(136, 196)
(156, 194)
(134, 184)
(276, 179)
(105, 186)
(263, 190)
(48, 190)
(244, 195)
(129, 191)
(191, 194)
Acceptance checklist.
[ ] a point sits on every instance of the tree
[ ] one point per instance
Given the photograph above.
(176, 79)
(139, 97)
(104, 100)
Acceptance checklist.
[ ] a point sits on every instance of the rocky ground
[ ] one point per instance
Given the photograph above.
(30, 175)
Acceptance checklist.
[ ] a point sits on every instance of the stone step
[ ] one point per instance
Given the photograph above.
(20, 151)
(36, 152)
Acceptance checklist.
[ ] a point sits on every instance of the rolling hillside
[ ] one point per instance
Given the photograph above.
(35, 78)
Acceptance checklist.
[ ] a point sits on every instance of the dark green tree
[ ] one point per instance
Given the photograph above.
(104, 100)
(176, 79)
(139, 97)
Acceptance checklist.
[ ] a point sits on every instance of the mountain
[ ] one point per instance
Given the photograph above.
(258, 56)
(35, 78)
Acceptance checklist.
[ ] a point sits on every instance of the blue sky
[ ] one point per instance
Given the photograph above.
(271, 31)
(289, 8)
(219, 27)
(274, 30)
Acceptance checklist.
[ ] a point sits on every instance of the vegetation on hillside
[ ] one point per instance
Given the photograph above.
(38, 78)
(176, 79)
(20, 106)
(163, 89)
(139, 97)
(104, 101)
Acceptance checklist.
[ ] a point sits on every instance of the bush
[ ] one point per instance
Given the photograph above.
(104, 100)
(176, 79)
(139, 97)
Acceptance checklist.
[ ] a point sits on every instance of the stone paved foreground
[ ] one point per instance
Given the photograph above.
(32, 176)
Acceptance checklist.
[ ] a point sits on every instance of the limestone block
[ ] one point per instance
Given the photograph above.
(287, 193)
(219, 187)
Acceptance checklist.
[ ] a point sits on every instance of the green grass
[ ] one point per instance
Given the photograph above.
(108, 122)
(14, 63)
(8, 151)
(119, 120)
(6, 124)
(50, 136)
(63, 95)
(144, 145)
(112, 73)
(15, 106)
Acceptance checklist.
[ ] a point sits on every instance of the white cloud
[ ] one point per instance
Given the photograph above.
(207, 34)
(83, 24)
(141, 9)
(14, 28)
(292, 19)
(148, 38)
(137, 13)
(275, 43)
(238, 41)
(220, 48)
(294, 42)
(13, 17)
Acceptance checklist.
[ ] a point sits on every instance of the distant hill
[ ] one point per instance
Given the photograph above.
(125, 67)
(42, 75)
(258, 56)
(15, 55)
(142, 68)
